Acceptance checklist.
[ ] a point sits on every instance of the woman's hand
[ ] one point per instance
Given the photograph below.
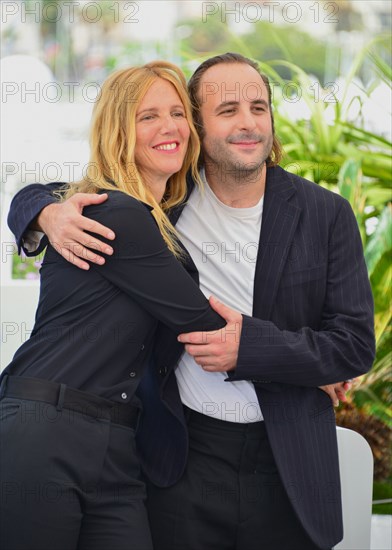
(337, 392)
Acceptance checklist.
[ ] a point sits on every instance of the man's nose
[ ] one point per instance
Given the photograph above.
(247, 120)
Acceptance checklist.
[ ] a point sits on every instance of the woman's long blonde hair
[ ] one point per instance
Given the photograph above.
(112, 163)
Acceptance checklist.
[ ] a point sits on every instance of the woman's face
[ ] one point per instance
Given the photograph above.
(162, 133)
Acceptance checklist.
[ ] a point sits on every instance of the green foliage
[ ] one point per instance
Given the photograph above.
(26, 268)
(269, 42)
(265, 41)
(205, 38)
(382, 491)
(374, 393)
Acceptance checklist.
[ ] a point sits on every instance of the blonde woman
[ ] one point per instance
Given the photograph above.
(68, 408)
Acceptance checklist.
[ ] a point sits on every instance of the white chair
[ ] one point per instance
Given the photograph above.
(356, 473)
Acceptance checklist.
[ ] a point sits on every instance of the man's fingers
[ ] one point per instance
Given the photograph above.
(70, 257)
(69, 231)
(335, 400)
(199, 350)
(80, 200)
(193, 338)
(95, 227)
(86, 254)
(86, 241)
(77, 254)
(341, 395)
(79, 244)
(224, 311)
(85, 199)
(203, 360)
(207, 364)
(210, 367)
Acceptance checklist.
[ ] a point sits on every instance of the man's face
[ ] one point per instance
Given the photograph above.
(236, 120)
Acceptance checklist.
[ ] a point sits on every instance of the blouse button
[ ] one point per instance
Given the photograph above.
(142, 347)
(124, 395)
(132, 374)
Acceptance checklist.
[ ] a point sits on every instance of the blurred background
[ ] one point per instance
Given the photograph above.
(330, 68)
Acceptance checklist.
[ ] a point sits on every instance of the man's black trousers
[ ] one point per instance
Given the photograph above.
(230, 496)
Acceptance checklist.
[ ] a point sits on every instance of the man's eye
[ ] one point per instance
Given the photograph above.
(227, 111)
(260, 109)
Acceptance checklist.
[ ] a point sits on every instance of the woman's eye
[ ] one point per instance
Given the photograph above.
(179, 114)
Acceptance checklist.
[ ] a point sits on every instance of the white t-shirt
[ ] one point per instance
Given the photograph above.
(223, 243)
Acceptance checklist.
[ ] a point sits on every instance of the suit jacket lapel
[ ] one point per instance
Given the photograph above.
(280, 219)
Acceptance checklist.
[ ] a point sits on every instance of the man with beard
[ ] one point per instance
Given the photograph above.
(238, 442)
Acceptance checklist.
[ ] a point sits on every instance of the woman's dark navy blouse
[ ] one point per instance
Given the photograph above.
(94, 330)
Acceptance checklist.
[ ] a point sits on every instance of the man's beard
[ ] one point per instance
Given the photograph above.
(224, 166)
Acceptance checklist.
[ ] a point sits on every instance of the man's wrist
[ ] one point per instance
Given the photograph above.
(40, 222)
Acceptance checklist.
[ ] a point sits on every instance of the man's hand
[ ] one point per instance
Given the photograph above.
(216, 351)
(65, 227)
(337, 391)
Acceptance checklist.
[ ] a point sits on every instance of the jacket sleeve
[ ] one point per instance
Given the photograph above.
(143, 268)
(343, 347)
(25, 207)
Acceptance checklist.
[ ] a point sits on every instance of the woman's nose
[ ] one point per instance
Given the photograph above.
(168, 124)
